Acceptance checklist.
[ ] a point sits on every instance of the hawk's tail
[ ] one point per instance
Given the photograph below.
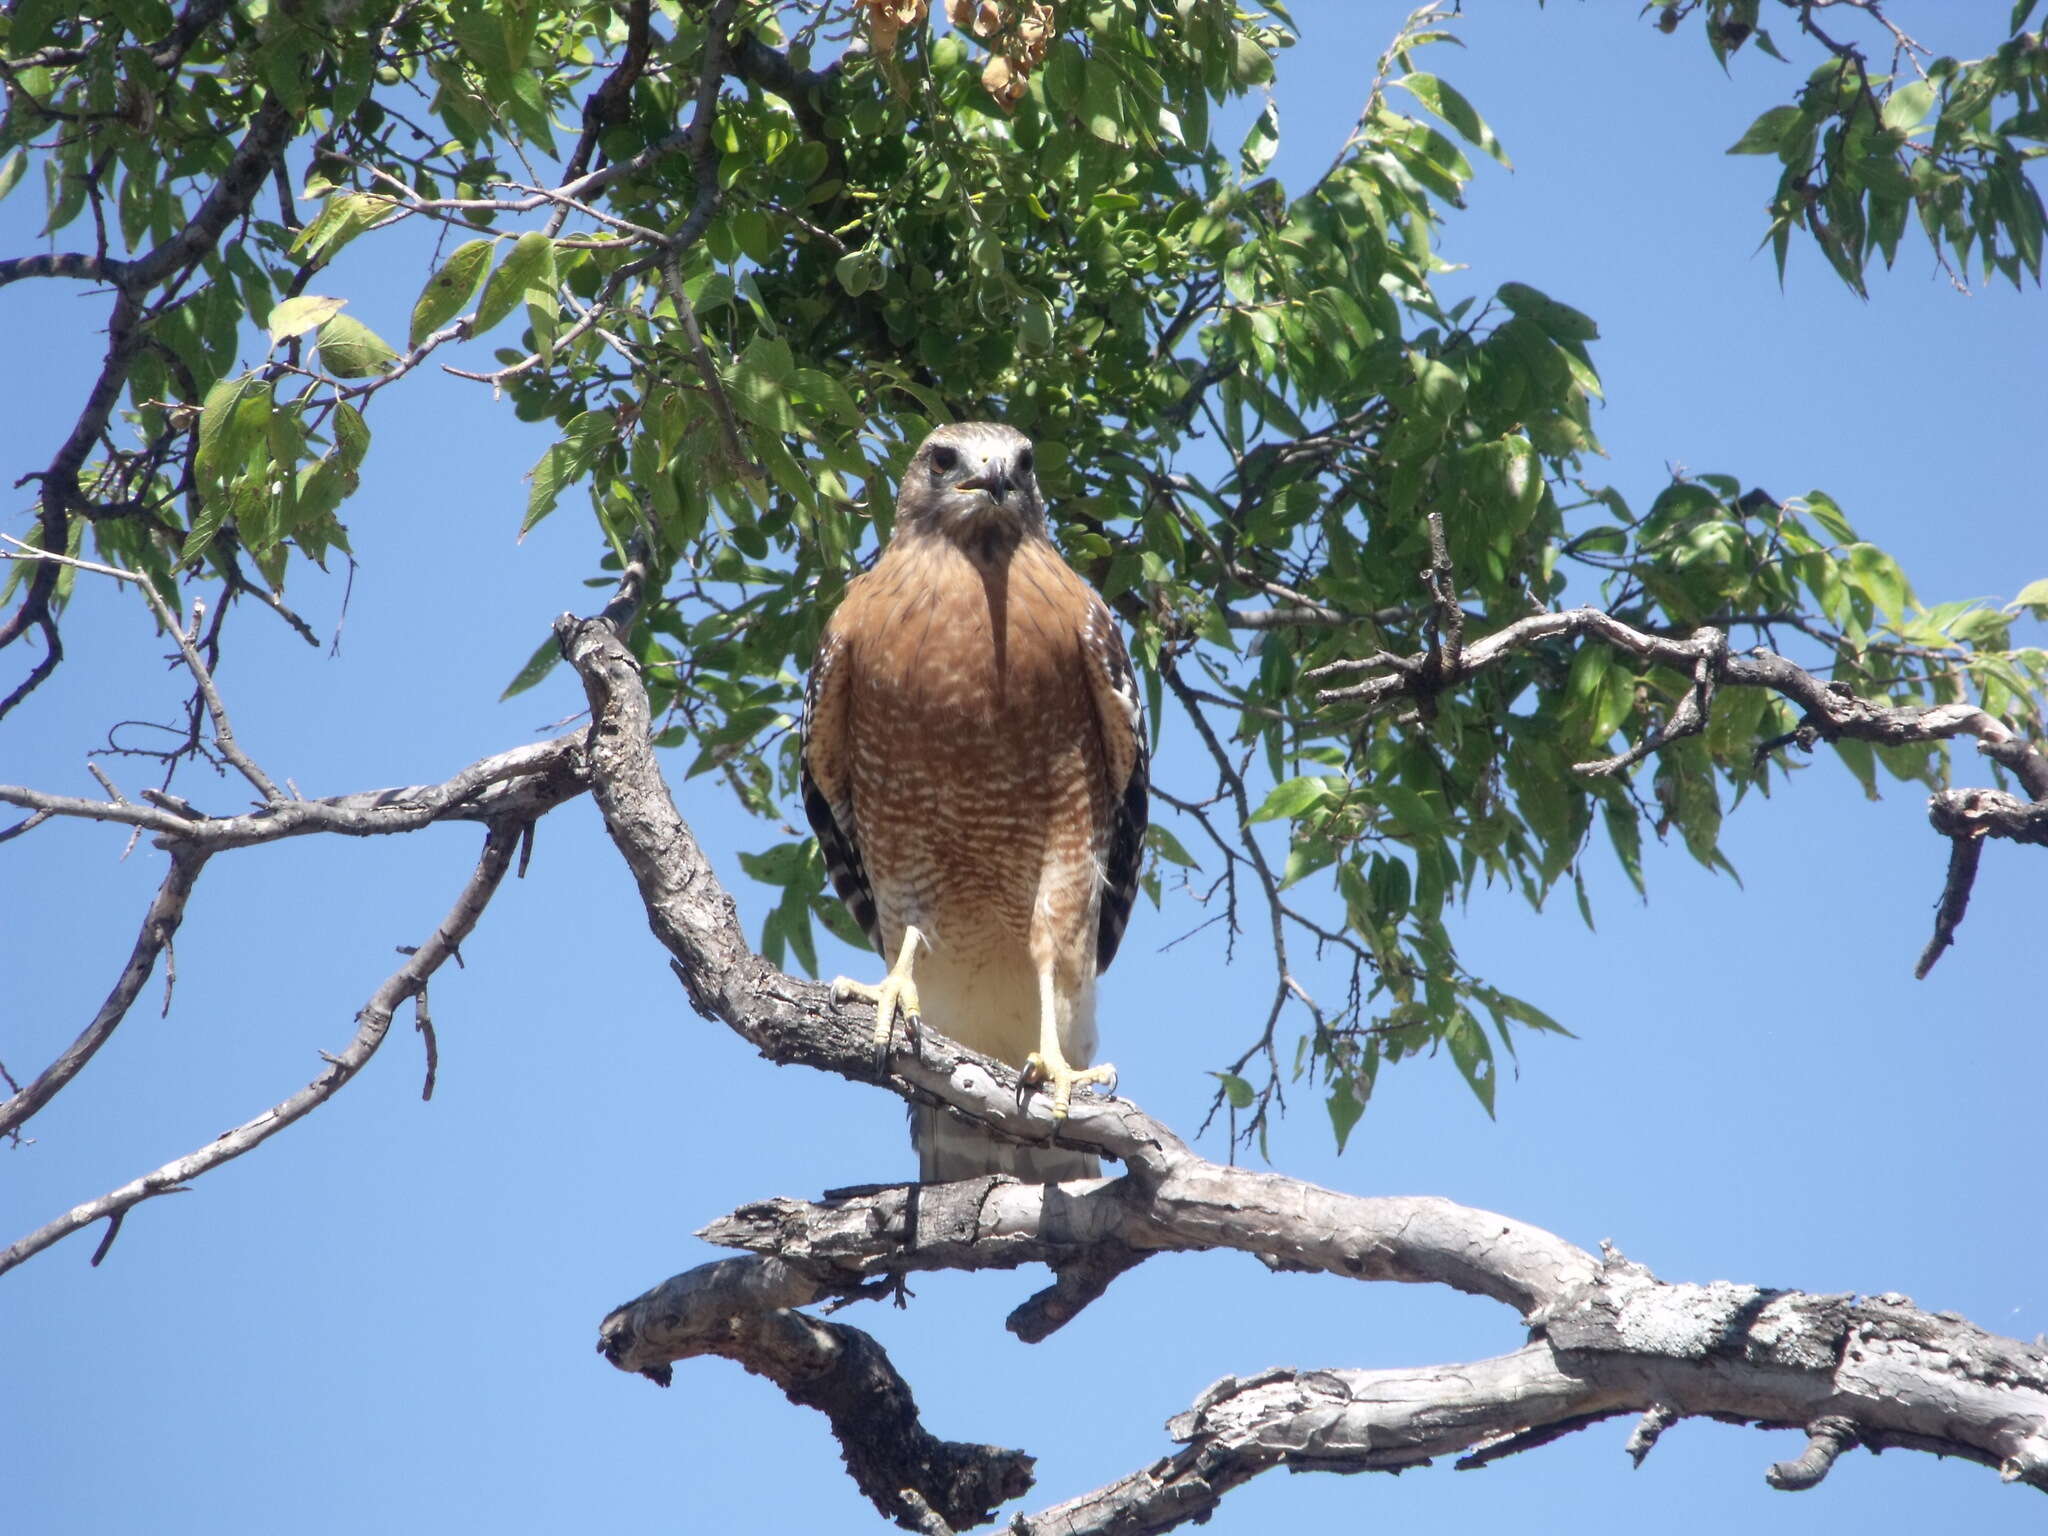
(948, 1149)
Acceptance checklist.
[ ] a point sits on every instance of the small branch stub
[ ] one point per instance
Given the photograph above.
(1655, 1420)
(1827, 1438)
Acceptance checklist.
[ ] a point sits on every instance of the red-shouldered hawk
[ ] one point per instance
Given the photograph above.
(974, 765)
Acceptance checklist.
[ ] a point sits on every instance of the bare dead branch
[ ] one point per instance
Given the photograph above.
(216, 709)
(1833, 711)
(743, 1309)
(159, 923)
(372, 1024)
(1965, 849)
(1608, 1337)
(513, 783)
(1650, 1428)
(423, 1021)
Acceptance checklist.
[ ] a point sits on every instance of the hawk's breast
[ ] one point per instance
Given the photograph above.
(979, 786)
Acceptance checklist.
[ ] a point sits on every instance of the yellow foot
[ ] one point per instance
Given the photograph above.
(1061, 1080)
(897, 992)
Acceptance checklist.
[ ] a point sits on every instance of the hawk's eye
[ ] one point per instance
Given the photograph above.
(945, 460)
(1025, 461)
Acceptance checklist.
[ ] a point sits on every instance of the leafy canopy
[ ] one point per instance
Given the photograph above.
(743, 256)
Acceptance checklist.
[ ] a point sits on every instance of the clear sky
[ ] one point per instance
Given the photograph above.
(384, 1318)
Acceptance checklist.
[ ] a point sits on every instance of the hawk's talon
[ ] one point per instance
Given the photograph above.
(895, 993)
(1060, 1080)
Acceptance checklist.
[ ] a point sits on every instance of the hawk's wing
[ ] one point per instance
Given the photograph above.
(827, 780)
(1121, 713)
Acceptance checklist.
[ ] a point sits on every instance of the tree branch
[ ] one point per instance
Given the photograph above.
(1833, 711)
(524, 781)
(159, 924)
(372, 1024)
(743, 1309)
(1606, 1337)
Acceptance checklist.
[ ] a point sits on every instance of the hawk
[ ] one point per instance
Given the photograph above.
(974, 765)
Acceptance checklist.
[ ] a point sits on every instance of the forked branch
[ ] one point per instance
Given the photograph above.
(372, 1024)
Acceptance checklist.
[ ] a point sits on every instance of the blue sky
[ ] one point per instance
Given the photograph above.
(384, 1318)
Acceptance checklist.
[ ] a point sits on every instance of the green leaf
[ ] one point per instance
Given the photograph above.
(295, 317)
(1446, 103)
(1906, 108)
(346, 215)
(1251, 65)
(538, 666)
(1411, 813)
(449, 290)
(1262, 143)
(1346, 1109)
(1767, 133)
(1235, 1089)
(1560, 322)
(530, 264)
(1168, 847)
(351, 350)
(1878, 576)
(860, 271)
(1289, 799)
(565, 462)
(1830, 517)
(1101, 101)
(1473, 1053)
(2034, 598)
(11, 171)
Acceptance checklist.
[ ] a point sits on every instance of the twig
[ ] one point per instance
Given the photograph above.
(528, 778)
(223, 731)
(159, 923)
(1964, 852)
(372, 1024)
(423, 1021)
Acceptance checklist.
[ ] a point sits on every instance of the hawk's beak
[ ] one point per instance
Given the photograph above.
(994, 479)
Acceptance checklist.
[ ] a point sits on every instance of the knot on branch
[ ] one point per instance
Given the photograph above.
(1988, 813)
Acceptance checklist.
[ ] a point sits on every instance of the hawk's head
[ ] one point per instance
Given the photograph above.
(973, 482)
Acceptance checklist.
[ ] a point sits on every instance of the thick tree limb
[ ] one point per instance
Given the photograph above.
(1878, 1372)
(743, 1309)
(1607, 1337)
(1192, 1205)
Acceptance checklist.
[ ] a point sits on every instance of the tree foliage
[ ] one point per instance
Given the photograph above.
(743, 256)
